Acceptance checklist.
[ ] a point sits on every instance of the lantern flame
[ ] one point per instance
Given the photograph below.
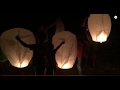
(66, 66)
(102, 37)
(23, 65)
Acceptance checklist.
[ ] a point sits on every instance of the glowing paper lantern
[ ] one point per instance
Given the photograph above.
(67, 53)
(59, 26)
(99, 26)
(18, 55)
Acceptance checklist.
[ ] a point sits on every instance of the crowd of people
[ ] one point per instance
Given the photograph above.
(44, 53)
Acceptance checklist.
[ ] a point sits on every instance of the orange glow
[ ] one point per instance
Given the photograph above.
(66, 66)
(102, 37)
(24, 64)
(67, 53)
(99, 23)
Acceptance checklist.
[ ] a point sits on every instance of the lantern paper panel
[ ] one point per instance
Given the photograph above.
(67, 53)
(18, 55)
(59, 25)
(99, 26)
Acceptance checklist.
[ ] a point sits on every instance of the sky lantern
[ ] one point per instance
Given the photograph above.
(67, 53)
(59, 25)
(18, 55)
(99, 26)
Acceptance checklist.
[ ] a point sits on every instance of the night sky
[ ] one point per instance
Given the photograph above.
(32, 22)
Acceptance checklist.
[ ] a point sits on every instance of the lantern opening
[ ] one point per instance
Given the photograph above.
(102, 37)
(66, 66)
(23, 65)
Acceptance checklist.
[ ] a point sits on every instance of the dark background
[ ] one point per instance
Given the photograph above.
(71, 21)
(109, 52)
(32, 21)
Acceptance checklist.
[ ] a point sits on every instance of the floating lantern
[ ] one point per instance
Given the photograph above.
(67, 53)
(18, 55)
(99, 26)
(59, 25)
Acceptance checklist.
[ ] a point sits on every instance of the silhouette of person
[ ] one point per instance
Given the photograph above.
(90, 49)
(79, 55)
(50, 56)
(45, 28)
(39, 52)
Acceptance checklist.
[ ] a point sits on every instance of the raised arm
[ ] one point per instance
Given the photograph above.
(59, 46)
(31, 47)
(51, 25)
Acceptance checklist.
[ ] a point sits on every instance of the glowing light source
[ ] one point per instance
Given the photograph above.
(115, 17)
(99, 26)
(18, 55)
(65, 66)
(67, 53)
(59, 25)
(102, 37)
(23, 64)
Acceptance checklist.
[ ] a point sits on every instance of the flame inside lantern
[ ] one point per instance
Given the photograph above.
(66, 66)
(102, 37)
(23, 64)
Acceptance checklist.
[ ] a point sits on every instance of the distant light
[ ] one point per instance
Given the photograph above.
(115, 17)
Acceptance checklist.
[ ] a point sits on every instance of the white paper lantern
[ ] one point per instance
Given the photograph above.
(18, 55)
(67, 53)
(59, 26)
(99, 26)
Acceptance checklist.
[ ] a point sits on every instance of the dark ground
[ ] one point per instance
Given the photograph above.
(107, 63)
